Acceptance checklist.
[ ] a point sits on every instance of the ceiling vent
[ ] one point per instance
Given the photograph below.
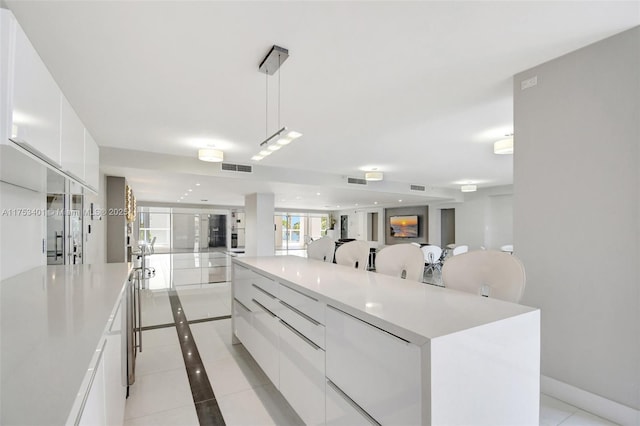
(418, 188)
(230, 167)
(356, 181)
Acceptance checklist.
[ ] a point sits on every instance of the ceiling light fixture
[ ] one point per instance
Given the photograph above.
(504, 146)
(269, 65)
(373, 176)
(468, 188)
(210, 155)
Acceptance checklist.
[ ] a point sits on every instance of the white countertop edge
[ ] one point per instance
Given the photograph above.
(370, 318)
(85, 386)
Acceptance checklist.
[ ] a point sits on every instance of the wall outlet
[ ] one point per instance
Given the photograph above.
(530, 82)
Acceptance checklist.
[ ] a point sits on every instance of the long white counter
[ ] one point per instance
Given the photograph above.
(381, 349)
(52, 320)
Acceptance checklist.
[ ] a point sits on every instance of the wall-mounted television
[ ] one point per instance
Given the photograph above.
(404, 226)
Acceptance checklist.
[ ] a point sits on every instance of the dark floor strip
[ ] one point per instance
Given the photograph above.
(196, 321)
(203, 397)
(157, 326)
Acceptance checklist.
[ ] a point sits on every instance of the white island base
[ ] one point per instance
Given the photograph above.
(348, 347)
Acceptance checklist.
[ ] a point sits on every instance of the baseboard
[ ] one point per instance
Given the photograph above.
(590, 402)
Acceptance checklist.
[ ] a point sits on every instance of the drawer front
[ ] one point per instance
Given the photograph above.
(302, 378)
(303, 323)
(341, 411)
(303, 303)
(266, 343)
(265, 298)
(243, 328)
(243, 292)
(380, 372)
(266, 284)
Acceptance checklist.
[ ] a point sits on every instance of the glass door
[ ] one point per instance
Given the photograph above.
(55, 229)
(75, 230)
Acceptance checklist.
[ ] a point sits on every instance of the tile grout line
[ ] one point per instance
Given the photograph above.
(204, 399)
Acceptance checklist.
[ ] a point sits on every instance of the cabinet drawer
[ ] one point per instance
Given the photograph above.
(303, 303)
(302, 378)
(265, 298)
(303, 323)
(265, 347)
(380, 372)
(243, 329)
(243, 292)
(341, 411)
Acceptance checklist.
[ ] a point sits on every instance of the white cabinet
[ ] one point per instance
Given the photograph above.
(342, 411)
(94, 411)
(91, 161)
(302, 378)
(72, 141)
(266, 343)
(377, 370)
(115, 389)
(35, 97)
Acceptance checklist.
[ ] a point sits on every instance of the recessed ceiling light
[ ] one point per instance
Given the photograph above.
(211, 155)
(265, 152)
(190, 190)
(257, 157)
(399, 201)
(197, 184)
(356, 204)
(468, 188)
(338, 206)
(317, 193)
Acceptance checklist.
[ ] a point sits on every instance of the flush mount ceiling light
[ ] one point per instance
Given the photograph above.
(504, 146)
(373, 176)
(468, 188)
(269, 65)
(211, 155)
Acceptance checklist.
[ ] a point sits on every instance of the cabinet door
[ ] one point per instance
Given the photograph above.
(302, 379)
(36, 103)
(243, 327)
(377, 370)
(94, 411)
(91, 161)
(342, 411)
(115, 391)
(265, 348)
(72, 141)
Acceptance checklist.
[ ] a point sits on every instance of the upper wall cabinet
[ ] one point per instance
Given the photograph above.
(35, 99)
(73, 141)
(35, 114)
(91, 161)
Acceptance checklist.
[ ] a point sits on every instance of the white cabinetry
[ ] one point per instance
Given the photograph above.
(105, 379)
(377, 370)
(35, 101)
(72, 136)
(35, 114)
(91, 161)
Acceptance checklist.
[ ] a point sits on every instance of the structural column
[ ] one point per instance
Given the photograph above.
(259, 230)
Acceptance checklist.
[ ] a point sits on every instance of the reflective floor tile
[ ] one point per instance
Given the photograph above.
(262, 405)
(182, 416)
(156, 392)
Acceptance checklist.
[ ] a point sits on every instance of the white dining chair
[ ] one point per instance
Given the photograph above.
(459, 250)
(354, 254)
(402, 261)
(489, 273)
(321, 249)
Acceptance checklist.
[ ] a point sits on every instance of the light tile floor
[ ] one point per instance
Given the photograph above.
(162, 396)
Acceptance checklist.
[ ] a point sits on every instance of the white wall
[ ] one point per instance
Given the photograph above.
(483, 219)
(95, 246)
(21, 233)
(577, 215)
(358, 222)
(259, 228)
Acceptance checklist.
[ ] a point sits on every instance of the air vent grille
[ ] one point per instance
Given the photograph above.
(230, 167)
(356, 181)
(418, 188)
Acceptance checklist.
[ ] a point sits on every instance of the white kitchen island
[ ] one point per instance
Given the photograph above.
(348, 347)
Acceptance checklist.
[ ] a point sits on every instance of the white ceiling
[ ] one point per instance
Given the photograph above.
(420, 90)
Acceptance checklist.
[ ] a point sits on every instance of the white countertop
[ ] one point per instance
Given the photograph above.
(52, 319)
(414, 311)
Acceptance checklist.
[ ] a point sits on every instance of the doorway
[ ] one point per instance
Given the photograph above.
(447, 227)
(344, 226)
(217, 230)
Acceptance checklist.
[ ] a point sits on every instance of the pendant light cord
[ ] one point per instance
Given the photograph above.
(279, 72)
(266, 105)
